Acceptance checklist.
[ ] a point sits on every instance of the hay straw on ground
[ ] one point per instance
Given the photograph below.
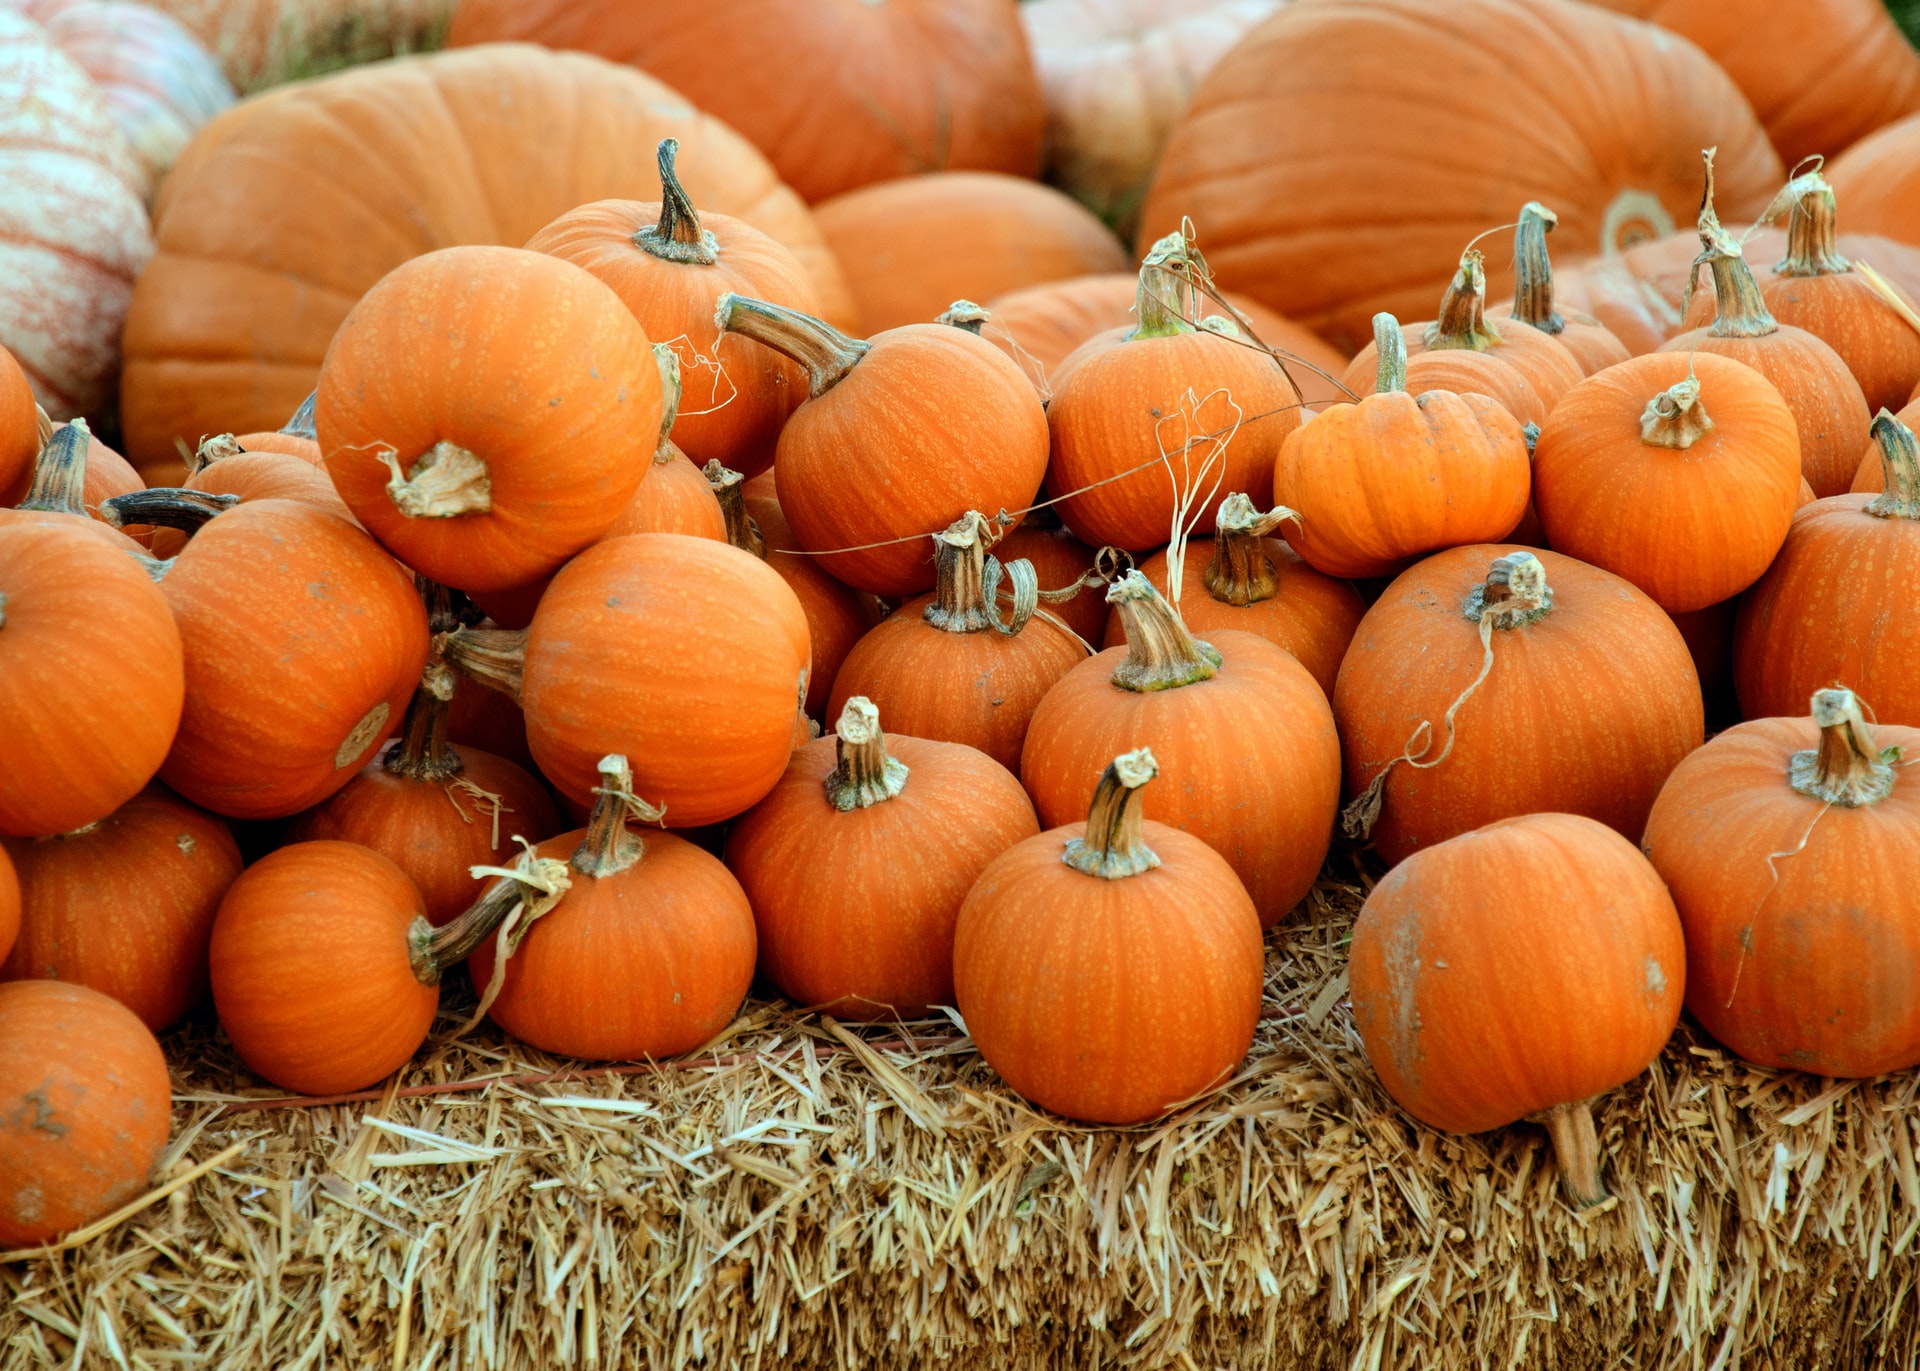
(822, 1196)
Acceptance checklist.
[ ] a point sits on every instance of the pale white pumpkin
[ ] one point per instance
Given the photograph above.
(73, 225)
(263, 42)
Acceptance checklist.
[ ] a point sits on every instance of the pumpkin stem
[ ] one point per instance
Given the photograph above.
(865, 774)
(965, 314)
(1812, 248)
(1576, 1146)
(60, 471)
(1164, 297)
(1390, 346)
(422, 752)
(1740, 312)
(668, 361)
(533, 886)
(1515, 592)
(1463, 319)
(1114, 846)
(678, 236)
(1900, 466)
(495, 657)
(1846, 769)
(1533, 270)
(1161, 654)
(211, 450)
(1242, 572)
(1674, 418)
(165, 507)
(610, 847)
(3, 611)
(967, 582)
(826, 352)
(447, 609)
(301, 424)
(729, 488)
(444, 482)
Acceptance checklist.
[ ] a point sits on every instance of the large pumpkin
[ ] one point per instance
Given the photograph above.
(73, 224)
(1878, 179)
(1517, 971)
(837, 93)
(270, 225)
(1614, 117)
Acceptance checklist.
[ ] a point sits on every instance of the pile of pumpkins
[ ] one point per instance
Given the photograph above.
(510, 647)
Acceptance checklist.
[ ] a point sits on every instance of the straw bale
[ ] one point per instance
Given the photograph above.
(815, 1195)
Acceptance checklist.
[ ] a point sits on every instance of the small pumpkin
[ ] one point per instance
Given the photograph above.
(85, 1107)
(1515, 972)
(1593, 346)
(1110, 970)
(224, 465)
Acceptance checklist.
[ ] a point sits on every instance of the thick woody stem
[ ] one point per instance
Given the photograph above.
(443, 482)
(1515, 592)
(165, 507)
(301, 424)
(668, 361)
(1161, 654)
(1242, 571)
(959, 603)
(729, 488)
(1533, 270)
(1674, 418)
(1163, 301)
(865, 775)
(826, 352)
(423, 752)
(1900, 469)
(495, 657)
(1463, 320)
(1812, 249)
(965, 314)
(1740, 310)
(609, 846)
(1390, 346)
(678, 236)
(1846, 768)
(432, 950)
(60, 472)
(1576, 1146)
(1115, 847)
(211, 450)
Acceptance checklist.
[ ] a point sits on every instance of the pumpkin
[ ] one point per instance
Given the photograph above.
(1398, 475)
(74, 223)
(1491, 681)
(1789, 845)
(910, 247)
(262, 43)
(1244, 578)
(325, 971)
(1877, 179)
(863, 92)
(9, 904)
(1613, 114)
(19, 431)
(1828, 405)
(1870, 477)
(1038, 326)
(435, 808)
(1680, 474)
(77, 479)
(1593, 346)
(224, 465)
(938, 419)
(647, 954)
(1515, 972)
(303, 640)
(1116, 74)
(85, 1106)
(268, 232)
(1149, 423)
(296, 438)
(1837, 603)
(854, 905)
(1112, 969)
(1062, 562)
(1243, 720)
(948, 667)
(686, 654)
(491, 721)
(126, 906)
(667, 264)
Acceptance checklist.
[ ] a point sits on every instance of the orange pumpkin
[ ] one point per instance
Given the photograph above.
(19, 431)
(1110, 970)
(9, 904)
(1870, 477)
(1877, 179)
(854, 895)
(1061, 561)
(1516, 972)
(1243, 720)
(1593, 346)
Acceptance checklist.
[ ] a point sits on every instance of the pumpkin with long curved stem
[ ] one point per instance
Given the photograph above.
(1839, 601)
(948, 666)
(126, 905)
(85, 1108)
(1398, 475)
(1561, 923)
(1533, 304)
(857, 861)
(932, 415)
(1245, 578)
(1680, 473)
(1790, 845)
(648, 953)
(1110, 970)
(1243, 720)
(1492, 681)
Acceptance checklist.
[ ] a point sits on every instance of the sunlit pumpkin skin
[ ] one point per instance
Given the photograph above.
(1242, 719)
(126, 906)
(85, 1107)
(1398, 475)
(91, 676)
(1591, 342)
(932, 415)
(269, 232)
(1520, 968)
(1060, 560)
(838, 616)
(19, 431)
(1840, 601)
(954, 666)
(1110, 998)
(864, 92)
(857, 861)
(1615, 114)
(1791, 847)
(1586, 708)
(9, 904)
(1241, 578)
(647, 954)
(668, 263)
(303, 643)
(255, 473)
(1876, 180)
(1679, 473)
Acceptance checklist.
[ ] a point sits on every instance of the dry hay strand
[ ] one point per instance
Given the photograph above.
(803, 1194)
